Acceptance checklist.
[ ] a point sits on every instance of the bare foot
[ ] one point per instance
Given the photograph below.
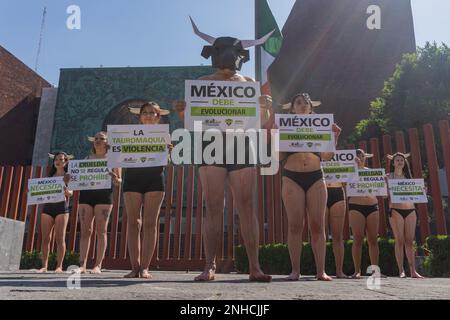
(416, 275)
(259, 277)
(132, 274)
(207, 275)
(43, 270)
(59, 270)
(96, 270)
(294, 276)
(402, 275)
(356, 275)
(341, 276)
(82, 270)
(323, 277)
(145, 274)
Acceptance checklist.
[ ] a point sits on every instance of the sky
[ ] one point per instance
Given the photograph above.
(141, 33)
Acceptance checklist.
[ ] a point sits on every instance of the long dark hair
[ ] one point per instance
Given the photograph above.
(406, 167)
(305, 97)
(92, 145)
(66, 167)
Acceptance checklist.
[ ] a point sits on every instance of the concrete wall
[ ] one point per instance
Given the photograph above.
(11, 240)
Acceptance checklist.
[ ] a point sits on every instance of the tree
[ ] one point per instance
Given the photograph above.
(416, 94)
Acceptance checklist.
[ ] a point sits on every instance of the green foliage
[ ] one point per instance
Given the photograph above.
(33, 260)
(416, 94)
(437, 263)
(274, 259)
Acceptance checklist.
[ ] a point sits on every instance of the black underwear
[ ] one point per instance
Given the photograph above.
(304, 179)
(365, 210)
(403, 212)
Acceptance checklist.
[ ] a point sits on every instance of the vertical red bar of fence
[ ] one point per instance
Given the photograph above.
(18, 175)
(445, 141)
(261, 218)
(23, 205)
(346, 234)
(278, 211)
(434, 176)
(1, 177)
(416, 160)
(400, 142)
(6, 191)
(270, 209)
(178, 213)
(33, 217)
(73, 221)
(169, 197)
(199, 220)
(114, 223)
(375, 149)
(387, 149)
(123, 234)
(189, 210)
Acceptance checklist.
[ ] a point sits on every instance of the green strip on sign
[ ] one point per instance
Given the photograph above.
(309, 137)
(339, 170)
(408, 193)
(43, 193)
(223, 112)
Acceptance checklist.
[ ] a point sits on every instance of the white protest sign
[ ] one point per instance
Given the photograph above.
(46, 190)
(368, 182)
(138, 146)
(342, 167)
(222, 104)
(306, 133)
(407, 190)
(90, 174)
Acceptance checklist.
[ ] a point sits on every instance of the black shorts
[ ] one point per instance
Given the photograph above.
(56, 209)
(143, 180)
(95, 197)
(335, 195)
(236, 163)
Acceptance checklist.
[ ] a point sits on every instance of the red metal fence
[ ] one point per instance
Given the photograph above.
(180, 238)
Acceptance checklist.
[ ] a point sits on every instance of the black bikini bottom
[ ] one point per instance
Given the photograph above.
(403, 212)
(304, 179)
(365, 210)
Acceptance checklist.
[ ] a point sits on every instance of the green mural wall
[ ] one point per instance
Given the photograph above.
(90, 98)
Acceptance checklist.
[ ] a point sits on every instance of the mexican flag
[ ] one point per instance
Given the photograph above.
(266, 23)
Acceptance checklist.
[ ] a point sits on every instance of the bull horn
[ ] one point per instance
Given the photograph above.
(202, 35)
(253, 43)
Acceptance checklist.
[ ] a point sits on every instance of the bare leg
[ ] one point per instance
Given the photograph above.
(60, 237)
(152, 207)
(242, 184)
(410, 230)
(102, 213)
(373, 222)
(213, 181)
(47, 223)
(358, 225)
(398, 227)
(86, 224)
(294, 200)
(337, 220)
(316, 202)
(133, 203)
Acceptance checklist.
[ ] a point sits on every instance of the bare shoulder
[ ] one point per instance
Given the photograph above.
(207, 77)
(249, 79)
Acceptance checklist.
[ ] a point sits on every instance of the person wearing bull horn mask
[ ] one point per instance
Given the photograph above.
(228, 54)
